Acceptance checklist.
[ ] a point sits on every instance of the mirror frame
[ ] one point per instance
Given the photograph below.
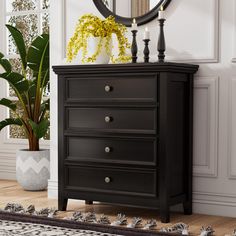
(141, 20)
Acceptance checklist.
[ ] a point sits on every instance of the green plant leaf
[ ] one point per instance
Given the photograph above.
(20, 44)
(16, 81)
(45, 105)
(45, 78)
(39, 129)
(38, 55)
(10, 121)
(38, 61)
(8, 103)
(32, 88)
(5, 63)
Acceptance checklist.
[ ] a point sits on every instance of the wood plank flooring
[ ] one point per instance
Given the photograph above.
(10, 191)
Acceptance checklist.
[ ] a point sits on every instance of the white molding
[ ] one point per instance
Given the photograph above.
(211, 168)
(234, 41)
(219, 204)
(231, 121)
(21, 13)
(210, 194)
(64, 30)
(7, 166)
(7, 175)
(2, 27)
(52, 189)
(214, 58)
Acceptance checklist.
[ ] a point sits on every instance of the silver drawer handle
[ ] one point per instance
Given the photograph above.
(107, 149)
(108, 119)
(107, 180)
(108, 88)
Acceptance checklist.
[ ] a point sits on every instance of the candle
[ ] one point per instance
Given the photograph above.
(134, 25)
(161, 13)
(146, 34)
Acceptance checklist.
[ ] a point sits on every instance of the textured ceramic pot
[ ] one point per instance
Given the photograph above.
(33, 169)
(103, 57)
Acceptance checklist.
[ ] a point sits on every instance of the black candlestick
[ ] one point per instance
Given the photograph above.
(161, 46)
(146, 50)
(134, 47)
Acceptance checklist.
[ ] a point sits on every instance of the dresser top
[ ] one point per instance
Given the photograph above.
(129, 67)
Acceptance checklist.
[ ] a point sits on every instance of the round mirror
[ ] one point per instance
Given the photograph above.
(125, 10)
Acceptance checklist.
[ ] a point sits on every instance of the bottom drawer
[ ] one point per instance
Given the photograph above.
(120, 181)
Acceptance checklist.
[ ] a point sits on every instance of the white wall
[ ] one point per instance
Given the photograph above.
(197, 31)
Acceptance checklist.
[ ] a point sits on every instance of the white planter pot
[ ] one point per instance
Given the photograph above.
(33, 169)
(103, 57)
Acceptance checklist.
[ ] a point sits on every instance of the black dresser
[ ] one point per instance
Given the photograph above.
(125, 134)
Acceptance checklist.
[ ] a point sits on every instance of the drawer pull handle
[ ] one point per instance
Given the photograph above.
(108, 119)
(108, 88)
(107, 149)
(107, 180)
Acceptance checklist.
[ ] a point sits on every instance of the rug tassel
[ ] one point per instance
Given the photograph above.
(207, 231)
(180, 228)
(136, 223)
(150, 224)
(121, 220)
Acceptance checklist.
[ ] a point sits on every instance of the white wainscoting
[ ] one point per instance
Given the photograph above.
(205, 155)
(234, 41)
(214, 203)
(232, 130)
(201, 24)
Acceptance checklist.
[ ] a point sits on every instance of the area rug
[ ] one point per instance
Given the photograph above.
(28, 225)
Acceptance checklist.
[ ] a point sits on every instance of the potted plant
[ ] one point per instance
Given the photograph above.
(32, 164)
(93, 36)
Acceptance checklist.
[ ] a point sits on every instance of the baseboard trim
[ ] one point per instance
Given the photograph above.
(219, 204)
(215, 203)
(7, 174)
(52, 189)
(217, 199)
(214, 208)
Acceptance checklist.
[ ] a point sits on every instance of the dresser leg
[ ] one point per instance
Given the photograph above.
(62, 203)
(165, 214)
(88, 202)
(187, 208)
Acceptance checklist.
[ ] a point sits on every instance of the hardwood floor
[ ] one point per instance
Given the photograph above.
(10, 191)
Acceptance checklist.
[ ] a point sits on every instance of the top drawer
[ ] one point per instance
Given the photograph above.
(111, 88)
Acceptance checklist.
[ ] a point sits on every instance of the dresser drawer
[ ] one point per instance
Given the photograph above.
(113, 150)
(110, 119)
(111, 180)
(136, 87)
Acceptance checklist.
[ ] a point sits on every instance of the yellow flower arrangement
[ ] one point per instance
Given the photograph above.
(92, 26)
